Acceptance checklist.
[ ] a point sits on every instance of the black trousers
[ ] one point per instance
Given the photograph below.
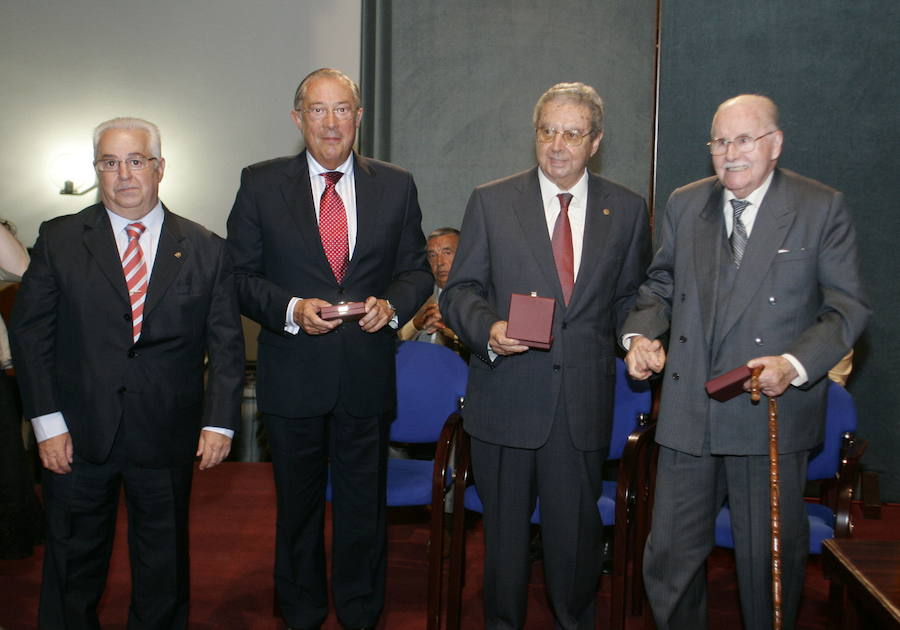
(568, 482)
(81, 520)
(355, 452)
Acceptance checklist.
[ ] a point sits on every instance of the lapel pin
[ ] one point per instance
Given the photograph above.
(177, 254)
(606, 211)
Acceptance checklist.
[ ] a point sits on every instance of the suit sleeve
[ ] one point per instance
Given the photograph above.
(411, 281)
(652, 310)
(634, 266)
(260, 299)
(33, 331)
(844, 311)
(464, 302)
(225, 349)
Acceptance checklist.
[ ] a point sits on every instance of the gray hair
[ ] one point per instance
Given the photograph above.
(766, 107)
(443, 231)
(577, 93)
(331, 73)
(130, 123)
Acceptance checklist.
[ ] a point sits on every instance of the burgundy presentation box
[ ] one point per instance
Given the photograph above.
(347, 311)
(728, 385)
(531, 320)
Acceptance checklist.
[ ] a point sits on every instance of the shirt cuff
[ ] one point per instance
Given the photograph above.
(802, 376)
(394, 323)
(626, 339)
(49, 425)
(290, 326)
(229, 433)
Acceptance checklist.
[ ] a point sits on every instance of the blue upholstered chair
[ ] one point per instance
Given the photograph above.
(835, 465)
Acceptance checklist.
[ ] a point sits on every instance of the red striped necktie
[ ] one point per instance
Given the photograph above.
(135, 275)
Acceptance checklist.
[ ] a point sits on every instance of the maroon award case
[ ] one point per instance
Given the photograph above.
(728, 385)
(531, 320)
(346, 311)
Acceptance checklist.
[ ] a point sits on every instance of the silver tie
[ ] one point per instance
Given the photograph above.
(739, 236)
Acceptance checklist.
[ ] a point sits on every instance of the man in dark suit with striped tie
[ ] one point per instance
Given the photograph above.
(125, 310)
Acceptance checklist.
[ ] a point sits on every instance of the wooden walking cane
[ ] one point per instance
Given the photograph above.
(773, 496)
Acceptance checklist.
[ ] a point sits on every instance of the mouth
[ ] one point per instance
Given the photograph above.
(735, 167)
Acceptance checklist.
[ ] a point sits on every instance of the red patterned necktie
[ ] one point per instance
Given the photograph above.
(562, 247)
(135, 275)
(333, 227)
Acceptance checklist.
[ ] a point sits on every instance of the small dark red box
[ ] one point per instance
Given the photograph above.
(728, 385)
(346, 311)
(531, 320)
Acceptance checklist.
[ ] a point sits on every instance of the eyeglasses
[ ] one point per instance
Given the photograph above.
(341, 112)
(572, 137)
(133, 163)
(744, 144)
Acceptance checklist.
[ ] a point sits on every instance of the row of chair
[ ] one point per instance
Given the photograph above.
(431, 384)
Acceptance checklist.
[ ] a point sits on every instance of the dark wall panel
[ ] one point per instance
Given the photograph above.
(465, 75)
(832, 66)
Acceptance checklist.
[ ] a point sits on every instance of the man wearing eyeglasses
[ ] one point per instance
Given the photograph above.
(755, 266)
(540, 419)
(306, 232)
(123, 313)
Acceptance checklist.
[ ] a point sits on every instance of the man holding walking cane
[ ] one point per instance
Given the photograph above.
(755, 266)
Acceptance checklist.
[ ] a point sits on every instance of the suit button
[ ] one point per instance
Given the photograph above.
(127, 317)
(557, 367)
(758, 341)
(682, 339)
(772, 301)
(341, 291)
(682, 297)
(132, 354)
(675, 376)
(564, 325)
(123, 389)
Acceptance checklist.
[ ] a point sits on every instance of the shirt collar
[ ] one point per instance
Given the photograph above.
(152, 220)
(317, 169)
(550, 190)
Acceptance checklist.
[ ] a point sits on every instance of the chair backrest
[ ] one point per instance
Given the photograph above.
(430, 381)
(632, 398)
(840, 418)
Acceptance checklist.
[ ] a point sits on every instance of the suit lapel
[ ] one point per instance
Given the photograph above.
(171, 255)
(773, 220)
(297, 194)
(597, 224)
(708, 232)
(529, 210)
(368, 203)
(101, 243)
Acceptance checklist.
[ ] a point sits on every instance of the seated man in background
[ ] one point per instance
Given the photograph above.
(427, 324)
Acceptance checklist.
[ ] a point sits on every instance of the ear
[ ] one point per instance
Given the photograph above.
(160, 168)
(297, 117)
(777, 141)
(595, 143)
(359, 114)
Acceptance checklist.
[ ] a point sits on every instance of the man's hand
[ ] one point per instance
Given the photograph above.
(428, 318)
(645, 357)
(306, 315)
(212, 448)
(56, 453)
(378, 313)
(501, 344)
(776, 376)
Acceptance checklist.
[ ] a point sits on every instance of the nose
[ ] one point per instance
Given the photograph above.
(124, 171)
(330, 118)
(731, 151)
(557, 143)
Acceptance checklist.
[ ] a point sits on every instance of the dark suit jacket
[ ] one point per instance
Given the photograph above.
(274, 239)
(504, 249)
(797, 291)
(72, 339)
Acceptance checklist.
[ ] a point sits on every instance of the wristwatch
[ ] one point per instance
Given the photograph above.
(390, 305)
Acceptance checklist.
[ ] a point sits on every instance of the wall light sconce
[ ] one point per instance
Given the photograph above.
(73, 174)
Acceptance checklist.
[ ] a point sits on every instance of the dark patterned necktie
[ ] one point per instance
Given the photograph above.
(333, 227)
(562, 247)
(739, 236)
(135, 276)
